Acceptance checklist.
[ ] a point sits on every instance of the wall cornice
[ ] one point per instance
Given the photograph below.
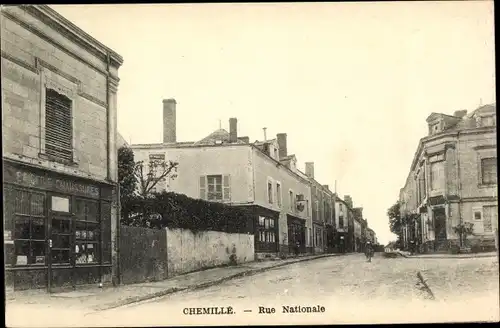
(55, 20)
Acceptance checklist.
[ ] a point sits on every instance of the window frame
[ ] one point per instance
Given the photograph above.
(481, 169)
(266, 234)
(30, 217)
(270, 191)
(291, 200)
(51, 80)
(96, 241)
(279, 192)
(215, 176)
(477, 210)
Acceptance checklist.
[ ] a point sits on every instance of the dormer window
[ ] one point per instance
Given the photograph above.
(488, 120)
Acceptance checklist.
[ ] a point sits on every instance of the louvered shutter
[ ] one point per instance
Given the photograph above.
(203, 188)
(226, 183)
(58, 125)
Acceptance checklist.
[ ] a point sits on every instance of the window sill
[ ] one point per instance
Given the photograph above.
(58, 160)
(486, 185)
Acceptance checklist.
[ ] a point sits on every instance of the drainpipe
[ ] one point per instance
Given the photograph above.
(108, 115)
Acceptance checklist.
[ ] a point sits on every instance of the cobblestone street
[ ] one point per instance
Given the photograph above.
(350, 289)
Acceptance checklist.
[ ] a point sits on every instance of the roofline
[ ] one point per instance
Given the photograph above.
(73, 32)
(437, 136)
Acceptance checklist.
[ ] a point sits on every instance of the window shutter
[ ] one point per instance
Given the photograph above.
(58, 125)
(226, 187)
(203, 188)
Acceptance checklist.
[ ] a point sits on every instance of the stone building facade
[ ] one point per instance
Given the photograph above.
(226, 168)
(453, 180)
(59, 88)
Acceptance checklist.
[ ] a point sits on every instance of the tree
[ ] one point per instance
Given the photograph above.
(126, 178)
(395, 221)
(148, 175)
(463, 230)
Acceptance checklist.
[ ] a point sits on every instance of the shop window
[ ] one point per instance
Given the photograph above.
(29, 228)
(87, 232)
(266, 235)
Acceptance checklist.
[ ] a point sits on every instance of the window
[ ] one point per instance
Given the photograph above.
(307, 207)
(270, 192)
(291, 200)
(29, 228)
(87, 231)
(215, 187)
(478, 215)
(58, 125)
(341, 221)
(490, 216)
(266, 234)
(488, 120)
(437, 175)
(278, 194)
(489, 170)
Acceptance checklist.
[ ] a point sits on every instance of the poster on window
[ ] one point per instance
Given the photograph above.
(60, 204)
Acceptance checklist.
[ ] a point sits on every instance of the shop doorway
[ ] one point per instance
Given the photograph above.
(60, 257)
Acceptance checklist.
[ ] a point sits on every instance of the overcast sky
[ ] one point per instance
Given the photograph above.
(350, 83)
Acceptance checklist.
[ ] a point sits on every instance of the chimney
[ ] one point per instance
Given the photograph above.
(169, 121)
(282, 144)
(265, 134)
(244, 139)
(460, 113)
(310, 169)
(348, 200)
(233, 130)
(327, 187)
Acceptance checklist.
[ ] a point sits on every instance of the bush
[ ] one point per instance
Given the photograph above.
(454, 249)
(180, 211)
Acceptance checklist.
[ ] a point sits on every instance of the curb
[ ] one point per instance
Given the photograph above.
(137, 299)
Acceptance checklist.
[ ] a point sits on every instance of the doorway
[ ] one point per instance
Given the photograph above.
(441, 237)
(60, 243)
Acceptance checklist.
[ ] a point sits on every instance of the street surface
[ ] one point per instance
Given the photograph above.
(350, 289)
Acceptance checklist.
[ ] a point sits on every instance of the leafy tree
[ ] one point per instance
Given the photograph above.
(463, 230)
(126, 177)
(395, 220)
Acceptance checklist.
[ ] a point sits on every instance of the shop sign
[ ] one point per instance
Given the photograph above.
(157, 157)
(44, 181)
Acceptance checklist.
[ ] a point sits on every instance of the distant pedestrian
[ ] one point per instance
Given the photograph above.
(369, 251)
(297, 248)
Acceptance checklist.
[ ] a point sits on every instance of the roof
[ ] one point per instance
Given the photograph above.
(220, 135)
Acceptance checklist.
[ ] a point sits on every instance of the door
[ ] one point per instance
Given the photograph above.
(60, 243)
(440, 228)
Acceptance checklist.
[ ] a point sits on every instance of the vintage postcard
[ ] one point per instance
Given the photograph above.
(249, 164)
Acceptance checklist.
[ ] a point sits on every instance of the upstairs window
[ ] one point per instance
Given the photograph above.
(270, 192)
(291, 201)
(489, 170)
(278, 194)
(58, 126)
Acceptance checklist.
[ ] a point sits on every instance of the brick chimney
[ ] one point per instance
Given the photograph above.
(169, 121)
(282, 144)
(233, 130)
(310, 169)
(348, 200)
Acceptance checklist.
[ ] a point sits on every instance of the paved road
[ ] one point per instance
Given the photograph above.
(350, 289)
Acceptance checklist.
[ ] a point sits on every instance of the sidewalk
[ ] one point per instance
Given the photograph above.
(448, 256)
(96, 299)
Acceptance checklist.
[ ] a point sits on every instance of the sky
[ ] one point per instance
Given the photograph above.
(350, 83)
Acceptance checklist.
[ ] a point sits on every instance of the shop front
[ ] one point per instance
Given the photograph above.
(57, 229)
(296, 234)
